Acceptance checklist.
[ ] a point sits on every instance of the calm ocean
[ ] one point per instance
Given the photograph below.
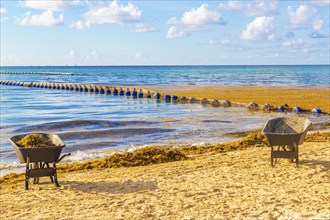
(90, 123)
(315, 75)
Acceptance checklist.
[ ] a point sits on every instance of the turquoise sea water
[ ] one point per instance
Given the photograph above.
(300, 75)
(89, 122)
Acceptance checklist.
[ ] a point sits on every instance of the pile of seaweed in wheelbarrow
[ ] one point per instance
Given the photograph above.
(39, 151)
(287, 134)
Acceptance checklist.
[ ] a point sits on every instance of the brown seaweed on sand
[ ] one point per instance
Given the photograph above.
(154, 155)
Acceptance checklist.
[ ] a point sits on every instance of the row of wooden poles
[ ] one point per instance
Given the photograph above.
(120, 91)
(144, 93)
(39, 73)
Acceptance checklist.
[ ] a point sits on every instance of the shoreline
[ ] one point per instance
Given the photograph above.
(127, 157)
(83, 156)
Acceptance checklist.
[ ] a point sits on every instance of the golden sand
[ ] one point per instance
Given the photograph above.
(238, 184)
(304, 97)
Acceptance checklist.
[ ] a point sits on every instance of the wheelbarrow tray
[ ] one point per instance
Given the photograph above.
(285, 139)
(286, 131)
(43, 154)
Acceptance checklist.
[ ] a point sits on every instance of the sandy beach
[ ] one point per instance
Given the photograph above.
(233, 185)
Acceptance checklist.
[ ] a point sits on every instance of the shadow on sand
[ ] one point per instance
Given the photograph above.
(112, 187)
(314, 163)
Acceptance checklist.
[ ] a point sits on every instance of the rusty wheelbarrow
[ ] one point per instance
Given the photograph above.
(286, 133)
(38, 159)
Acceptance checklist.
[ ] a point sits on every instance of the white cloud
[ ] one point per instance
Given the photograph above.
(193, 20)
(276, 55)
(321, 2)
(44, 19)
(232, 5)
(142, 28)
(304, 17)
(80, 25)
(317, 24)
(92, 56)
(252, 9)
(305, 51)
(293, 43)
(173, 32)
(201, 16)
(114, 14)
(138, 56)
(124, 15)
(196, 18)
(273, 55)
(71, 55)
(218, 43)
(95, 55)
(260, 29)
(52, 5)
(3, 10)
(9, 58)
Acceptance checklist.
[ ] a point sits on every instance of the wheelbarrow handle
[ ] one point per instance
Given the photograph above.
(61, 158)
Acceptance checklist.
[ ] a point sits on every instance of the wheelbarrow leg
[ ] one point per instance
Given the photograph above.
(27, 173)
(55, 175)
(27, 178)
(295, 147)
(273, 157)
(272, 162)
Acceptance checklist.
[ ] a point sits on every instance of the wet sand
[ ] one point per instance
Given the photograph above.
(232, 185)
(305, 97)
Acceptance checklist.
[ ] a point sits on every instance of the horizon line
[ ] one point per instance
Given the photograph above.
(121, 65)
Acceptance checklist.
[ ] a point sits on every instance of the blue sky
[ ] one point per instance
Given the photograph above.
(86, 32)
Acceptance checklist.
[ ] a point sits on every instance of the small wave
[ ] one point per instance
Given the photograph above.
(10, 165)
(80, 156)
(113, 132)
(7, 127)
(320, 126)
(64, 125)
(199, 144)
(214, 121)
(17, 167)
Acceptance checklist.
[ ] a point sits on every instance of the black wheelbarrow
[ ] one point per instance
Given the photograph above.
(286, 133)
(38, 160)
